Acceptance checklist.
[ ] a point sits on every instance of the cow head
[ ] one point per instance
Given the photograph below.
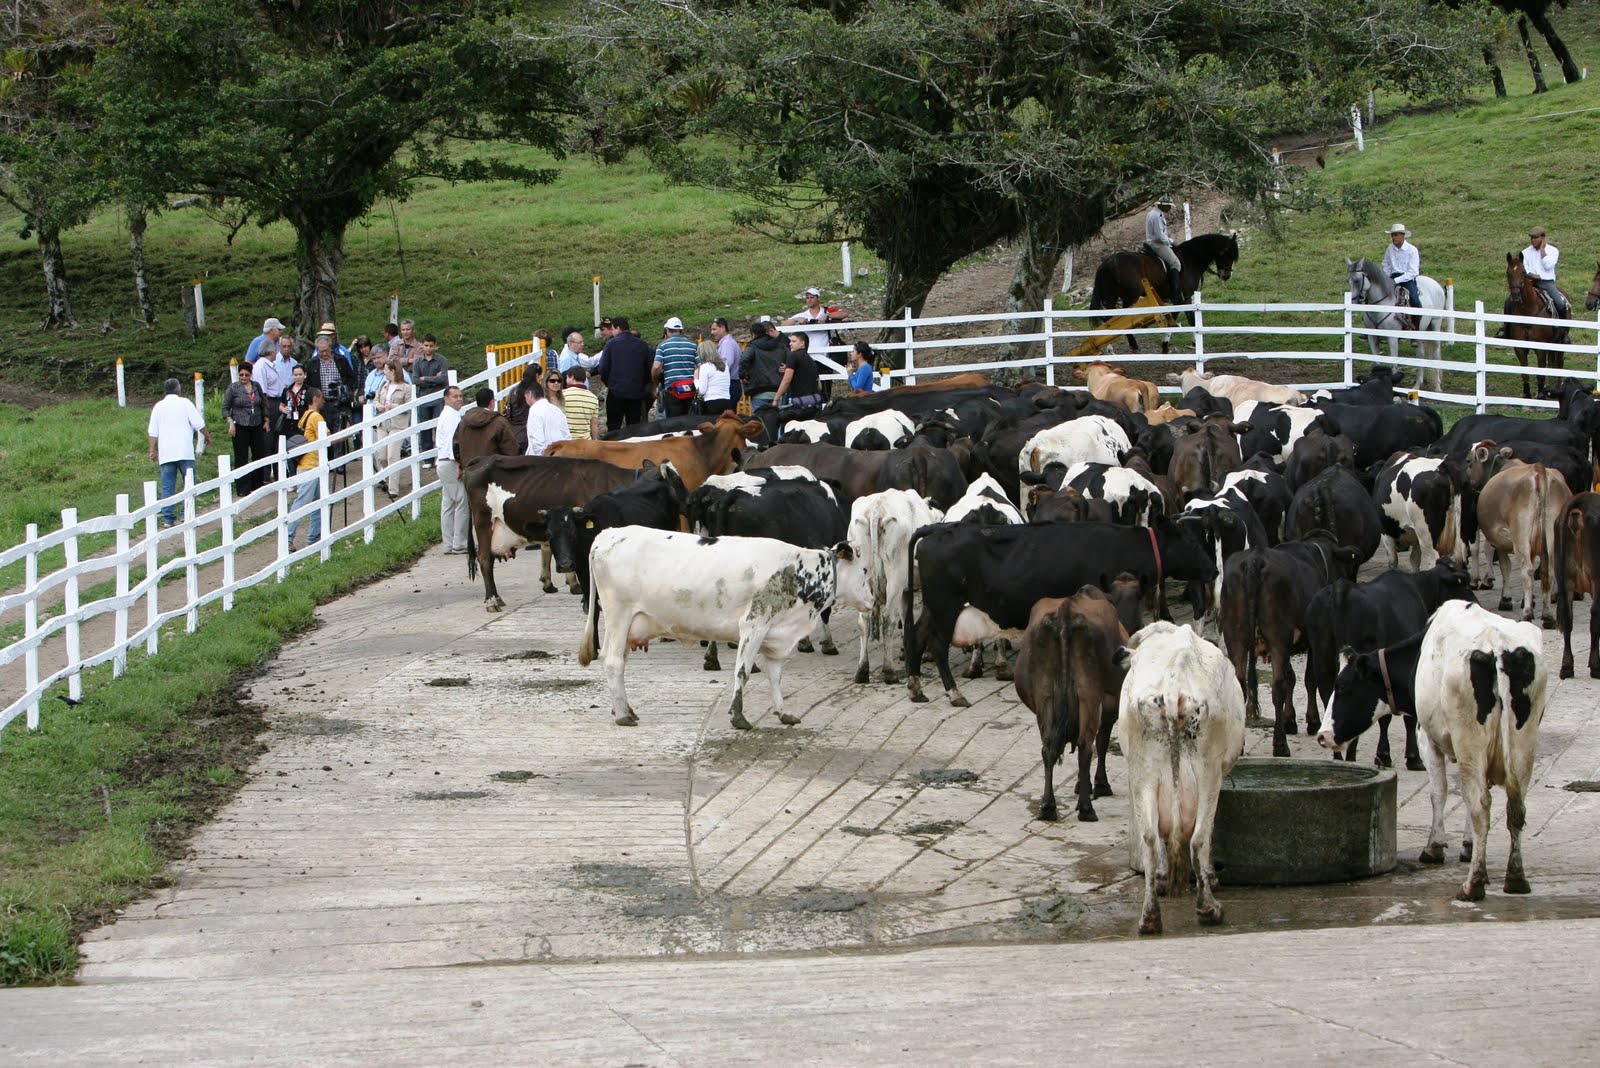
(1357, 693)
(852, 570)
(561, 527)
(1449, 582)
(675, 484)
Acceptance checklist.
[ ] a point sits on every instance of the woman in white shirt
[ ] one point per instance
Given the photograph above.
(711, 381)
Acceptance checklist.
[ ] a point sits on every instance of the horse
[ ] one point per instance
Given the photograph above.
(1370, 284)
(1591, 299)
(1524, 298)
(1118, 281)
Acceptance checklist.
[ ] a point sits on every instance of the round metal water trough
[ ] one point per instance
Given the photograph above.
(1281, 822)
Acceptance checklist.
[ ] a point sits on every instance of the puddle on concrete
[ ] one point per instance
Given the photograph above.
(320, 726)
(937, 777)
(559, 684)
(1583, 786)
(760, 743)
(516, 776)
(863, 832)
(531, 654)
(448, 682)
(929, 829)
(617, 876)
(825, 901)
(450, 795)
(1054, 909)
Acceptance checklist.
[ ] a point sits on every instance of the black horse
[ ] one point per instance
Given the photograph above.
(1118, 282)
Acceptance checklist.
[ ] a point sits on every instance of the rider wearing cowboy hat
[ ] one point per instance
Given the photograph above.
(1539, 260)
(1403, 263)
(1159, 243)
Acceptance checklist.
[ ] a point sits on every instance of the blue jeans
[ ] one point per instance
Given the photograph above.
(307, 497)
(171, 479)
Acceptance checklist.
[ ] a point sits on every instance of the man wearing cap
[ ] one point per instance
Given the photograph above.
(815, 312)
(677, 359)
(625, 365)
(762, 367)
(1159, 242)
(1539, 260)
(267, 342)
(1403, 263)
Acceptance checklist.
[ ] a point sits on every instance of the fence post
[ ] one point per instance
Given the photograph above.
(199, 306)
(369, 495)
(1355, 126)
(122, 385)
(489, 363)
(1349, 340)
(1199, 334)
(283, 508)
(152, 560)
(1481, 389)
(1049, 341)
(416, 464)
(119, 660)
(846, 276)
(225, 513)
(911, 352)
(191, 571)
(1597, 347)
(394, 305)
(200, 391)
(30, 623)
(1188, 221)
(596, 305)
(69, 517)
(324, 507)
(1450, 305)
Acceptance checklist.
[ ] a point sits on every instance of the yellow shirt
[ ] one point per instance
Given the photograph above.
(313, 426)
(580, 407)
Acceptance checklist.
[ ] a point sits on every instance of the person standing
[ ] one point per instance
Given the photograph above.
(624, 367)
(1539, 260)
(861, 360)
(762, 365)
(547, 424)
(394, 393)
(432, 372)
(174, 421)
(314, 428)
(800, 382)
(265, 342)
(1159, 241)
(519, 402)
(453, 517)
(245, 407)
(405, 345)
(712, 382)
(379, 375)
(674, 367)
(730, 352)
(1402, 262)
(815, 312)
(572, 354)
(483, 431)
(335, 379)
(274, 372)
(579, 405)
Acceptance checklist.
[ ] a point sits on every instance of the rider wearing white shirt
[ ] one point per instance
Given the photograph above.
(1403, 263)
(1539, 260)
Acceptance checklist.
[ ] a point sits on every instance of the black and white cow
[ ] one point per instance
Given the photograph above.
(881, 527)
(1134, 499)
(1275, 428)
(1419, 502)
(881, 430)
(984, 502)
(647, 502)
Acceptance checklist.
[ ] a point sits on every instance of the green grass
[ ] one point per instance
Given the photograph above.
(99, 798)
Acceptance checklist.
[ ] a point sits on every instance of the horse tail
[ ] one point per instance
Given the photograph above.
(1104, 294)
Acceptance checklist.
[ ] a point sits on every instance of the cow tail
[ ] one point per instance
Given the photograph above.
(1541, 537)
(1569, 539)
(472, 551)
(1253, 567)
(908, 609)
(591, 626)
(1064, 713)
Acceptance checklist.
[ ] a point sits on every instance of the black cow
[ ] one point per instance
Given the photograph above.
(1266, 490)
(1266, 594)
(1368, 616)
(648, 502)
(1335, 502)
(1224, 524)
(1378, 389)
(1575, 430)
(1202, 403)
(999, 572)
(1380, 432)
(1314, 454)
(929, 469)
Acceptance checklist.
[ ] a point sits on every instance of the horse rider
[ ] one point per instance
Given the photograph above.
(1539, 261)
(1159, 243)
(1403, 263)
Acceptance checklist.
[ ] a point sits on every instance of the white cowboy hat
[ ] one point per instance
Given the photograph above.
(1399, 228)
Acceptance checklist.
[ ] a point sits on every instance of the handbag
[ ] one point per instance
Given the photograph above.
(682, 389)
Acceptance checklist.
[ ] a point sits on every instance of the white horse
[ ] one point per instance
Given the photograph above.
(1370, 284)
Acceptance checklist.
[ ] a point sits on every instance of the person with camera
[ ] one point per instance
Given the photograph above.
(336, 380)
(394, 393)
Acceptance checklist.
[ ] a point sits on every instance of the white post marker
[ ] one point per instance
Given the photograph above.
(122, 385)
(152, 560)
(1277, 162)
(30, 624)
(1066, 274)
(394, 305)
(1481, 379)
(911, 352)
(845, 274)
(233, 370)
(199, 306)
(324, 506)
(1372, 105)
(1049, 341)
(1450, 305)
(225, 514)
(1355, 126)
(191, 571)
(200, 392)
(119, 660)
(1199, 334)
(596, 305)
(1597, 355)
(488, 360)
(1188, 222)
(416, 464)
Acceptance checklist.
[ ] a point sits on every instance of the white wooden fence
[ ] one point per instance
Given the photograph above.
(1330, 335)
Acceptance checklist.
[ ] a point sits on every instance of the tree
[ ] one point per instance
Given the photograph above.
(926, 129)
(1538, 13)
(312, 112)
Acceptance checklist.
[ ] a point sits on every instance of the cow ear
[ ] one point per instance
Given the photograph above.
(843, 551)
(1123, 657)
(1505, 452)
(1031, 478)
(1240, 428)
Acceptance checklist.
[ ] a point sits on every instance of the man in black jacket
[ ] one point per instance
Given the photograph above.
(761, 370)
(624, 367)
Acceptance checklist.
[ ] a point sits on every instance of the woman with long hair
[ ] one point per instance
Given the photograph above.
(712, 381)
(394, 392)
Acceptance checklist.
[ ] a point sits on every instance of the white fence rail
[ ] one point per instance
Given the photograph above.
(1215, 334)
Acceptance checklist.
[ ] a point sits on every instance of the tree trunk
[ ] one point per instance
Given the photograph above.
(1569, 69)
(1030, 284)
(1494, 69)
(319, 251)
(907, 286)
(57, 303)
(1533, 57)
(141, 284)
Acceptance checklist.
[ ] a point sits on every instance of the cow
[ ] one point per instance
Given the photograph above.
(980, 582)
(1477, 685)
(1335, 502)
(1378, 389)
(1112, 385)
(856, 473)
(881, 526)
(1181, 727)
(1275, 428)
(1380, 432)
(1576, 431)
(1235, 389)
(509, 499)
(646, 502)
(1066, 505)
(1265, 596)
(1202, 402)
(1577, 556)
(1134, 500)
(1203, 457)
(1314, 454)
(715, 450)
(1517, 511)
(1419, 504)
(984, 502)
(1167, 413)
(1225, 524)
(1068, 676)
(764, 594)
(1089, 437)
(807, 431)
(1367, 616)
(1483, 460)
(880, 430)
(930, 469)
(1266, 491)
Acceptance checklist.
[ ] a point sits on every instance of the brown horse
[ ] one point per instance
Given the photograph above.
(1524, 298)
(1591, 299)
(1119, 280)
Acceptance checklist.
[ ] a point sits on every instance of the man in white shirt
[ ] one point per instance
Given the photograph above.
(547, 424)
(1403, 263)
(453, 517)
(1160, 243)
(1539, 259)
(815, 312)
(173, 422)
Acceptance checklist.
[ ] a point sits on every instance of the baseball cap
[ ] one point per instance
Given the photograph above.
(607, 321)
(673, 323)
(271, 324)
(813, 291)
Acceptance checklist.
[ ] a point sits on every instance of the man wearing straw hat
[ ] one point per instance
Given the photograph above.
(1403, 263)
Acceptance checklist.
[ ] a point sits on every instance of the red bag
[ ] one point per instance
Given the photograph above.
(682, 389)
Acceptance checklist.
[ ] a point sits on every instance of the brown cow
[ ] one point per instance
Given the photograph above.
(965, 380)
(856, 471)
(714, 450)
(1167, 413)
(1112, 385)
(1517, 510)
(1578, 573)
(1203, 457)
(1067, 674)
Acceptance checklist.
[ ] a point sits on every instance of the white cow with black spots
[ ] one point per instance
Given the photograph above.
(873, 582)
(1089, 438)
(761, 593)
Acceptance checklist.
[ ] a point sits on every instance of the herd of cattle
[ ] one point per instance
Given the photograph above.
(1056, 519)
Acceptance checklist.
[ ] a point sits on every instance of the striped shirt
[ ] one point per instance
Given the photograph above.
(677, 356)
(581, 407)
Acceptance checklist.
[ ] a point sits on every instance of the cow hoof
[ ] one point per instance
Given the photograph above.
(1505, 604)
(490, 606)
(805, 646)
(958, 700)
(739, 722)
(1432, 853)
(1209, 917)
(1313, 725)
(1047, 812)
(1517, 884)
(1086, 814)
(1549, 622)
(574, 591)
(1258, 722)
(1150, 924)
(919, 697)
(863, 675)
(1415, 764)
(625, 719)
(549, 587)
(787, 720)
(1291, 726)
(1003, 673)
(1465, 856)
(1470, 892)
(889, 676)
(830, 649)
(711, 663)
(1280, 749)
(1566, 672)
(1103, 789)
(1383, 760)
(973, 672)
